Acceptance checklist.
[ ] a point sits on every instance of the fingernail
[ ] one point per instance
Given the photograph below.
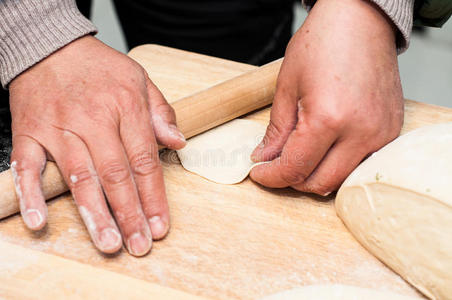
(257, 152)
(109, 239)
(158, 227)
(174, 131)
(33, 218)
(138, 244)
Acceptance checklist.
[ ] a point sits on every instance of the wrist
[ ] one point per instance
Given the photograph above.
(398, 13)
(361, 20)
(386, 25)
(37, 29)
(53, 59)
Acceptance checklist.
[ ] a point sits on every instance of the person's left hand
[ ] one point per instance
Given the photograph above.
(338, 98)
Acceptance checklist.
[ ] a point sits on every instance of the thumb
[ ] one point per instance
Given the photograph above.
(163, 119)
(283, 119)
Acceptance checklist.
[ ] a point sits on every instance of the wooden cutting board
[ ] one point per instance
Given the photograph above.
(226, 241)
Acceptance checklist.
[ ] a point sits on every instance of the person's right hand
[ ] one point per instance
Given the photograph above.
(97, 114)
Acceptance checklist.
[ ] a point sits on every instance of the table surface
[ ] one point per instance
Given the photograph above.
(226, 241)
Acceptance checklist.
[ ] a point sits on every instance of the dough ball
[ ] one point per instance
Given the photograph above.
(398, 204)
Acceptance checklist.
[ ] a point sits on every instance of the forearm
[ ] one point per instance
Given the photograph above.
(31, 30)
(400, 12)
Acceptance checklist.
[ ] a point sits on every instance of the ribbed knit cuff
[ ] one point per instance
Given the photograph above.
(399, 11)
(31, 30)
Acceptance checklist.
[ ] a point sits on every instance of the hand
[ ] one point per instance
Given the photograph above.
(99, 116)
(338, 98)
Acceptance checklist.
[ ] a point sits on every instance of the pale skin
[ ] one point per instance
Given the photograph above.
(96, 113)
(338, 98)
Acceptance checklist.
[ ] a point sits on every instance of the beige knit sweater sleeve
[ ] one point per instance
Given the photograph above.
(30, 30)
(399, 11)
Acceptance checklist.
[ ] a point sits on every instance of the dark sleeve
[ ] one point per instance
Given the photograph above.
(432, 13)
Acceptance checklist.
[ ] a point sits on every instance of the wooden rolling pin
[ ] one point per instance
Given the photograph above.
(195, 114)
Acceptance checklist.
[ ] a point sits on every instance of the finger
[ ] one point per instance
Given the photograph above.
(340, 161)
(142, 151)
(73, 159)
(112, 166)
(28, 160)
(163, 119)
(283, 119)
(304, 149)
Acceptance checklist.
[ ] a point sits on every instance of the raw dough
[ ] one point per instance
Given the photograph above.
(222, 154)
(398, 204)
(336, 292)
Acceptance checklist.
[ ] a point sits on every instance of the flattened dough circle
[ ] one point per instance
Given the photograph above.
(222, 154)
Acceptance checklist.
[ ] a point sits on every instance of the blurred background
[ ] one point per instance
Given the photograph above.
(426, 68)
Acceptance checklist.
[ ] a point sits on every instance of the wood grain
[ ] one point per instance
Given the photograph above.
(240, 241)
(29, 274)
(227, 100)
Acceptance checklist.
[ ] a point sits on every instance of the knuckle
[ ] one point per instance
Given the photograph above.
(333, 121)
(370, 128)
(127, 215)
(273, 131)
(22, 165)
(153, 208)
(293, 175)
(114, 172)
(130, 102)
(369, 136)
(328, 115)
(165, 111)
(80, 176)
(144, 163)
(125, 94)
